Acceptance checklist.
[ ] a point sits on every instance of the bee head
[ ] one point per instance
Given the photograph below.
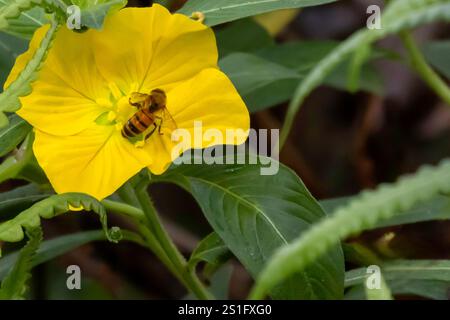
(159, 98)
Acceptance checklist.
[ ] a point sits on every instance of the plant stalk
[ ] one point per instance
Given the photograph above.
(188, 277)
(421, 66)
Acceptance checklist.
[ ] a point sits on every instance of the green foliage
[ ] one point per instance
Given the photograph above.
(266, 76)
(437, 208)
(11, 230)
(13, 165)
(10, 48)
(14, 285)
(382, 293)
(272, 224)
(93, 12)
(437, 54)
(12, 135)
(15, 201)
(56, 247)
(359, 58)
(13, 8)
(211, 250)
(255, 215)
(399, 15)
(22, 17)
(242, 36)
(405, 269)
(221, 11)
(430, 289)
(426, 278)
(360, 214)
(24, 24)
(9, 99)
(250, 74)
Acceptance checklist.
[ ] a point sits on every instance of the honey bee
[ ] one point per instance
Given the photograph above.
(151, 114)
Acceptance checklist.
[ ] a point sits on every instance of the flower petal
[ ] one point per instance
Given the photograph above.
(63, 98)
(96, 161)
(209, 97)
(21, 60)
(151, 47)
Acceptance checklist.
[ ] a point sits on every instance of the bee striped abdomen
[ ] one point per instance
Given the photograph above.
(137, 124)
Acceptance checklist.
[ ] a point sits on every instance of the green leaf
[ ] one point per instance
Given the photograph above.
(428, 278)
(10, 48)
(359, 58)
(220, 282)
(14, 164)
(12, 135)
(437, 290)
(288, 63)
(357, 254)
(256, 214)
(26, 23)
(360, 214)
(437, 208)
(9, 99)
(11, 230)
(14, 201)
(242, 36)
(14, 285)
(53, 248)
(406, 270)
(221, 11)
(437, 54)
(382, 293)
(93, 12)
(399, 15)
(211, 250)
(249, 72)
(13, 8)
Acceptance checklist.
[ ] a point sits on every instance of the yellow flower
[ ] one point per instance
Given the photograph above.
(80, 101)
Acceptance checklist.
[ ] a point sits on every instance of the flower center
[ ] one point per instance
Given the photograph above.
(130, 114)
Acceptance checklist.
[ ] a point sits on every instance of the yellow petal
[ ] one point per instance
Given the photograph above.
(161, 147)
(151, 47)
(63, 98)
(22, 59)
(209, 97)
(96, 161)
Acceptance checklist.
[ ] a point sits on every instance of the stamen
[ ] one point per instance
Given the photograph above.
(112, 116)
(117, 94)
(119, 126)
(104, 102)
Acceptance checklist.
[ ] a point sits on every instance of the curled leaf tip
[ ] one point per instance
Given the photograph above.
(114, 234)
(198, 16)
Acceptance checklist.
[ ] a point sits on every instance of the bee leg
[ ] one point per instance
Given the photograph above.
(160, 125)
(151, 132)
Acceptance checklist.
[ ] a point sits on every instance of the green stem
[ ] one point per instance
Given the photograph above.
(139, 218)
(189, 278)
(421, 66)
(124, 209)
(13, 165)
(127, 194)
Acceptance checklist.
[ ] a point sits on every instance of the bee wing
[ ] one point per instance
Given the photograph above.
(138, 99)
(168, 120)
